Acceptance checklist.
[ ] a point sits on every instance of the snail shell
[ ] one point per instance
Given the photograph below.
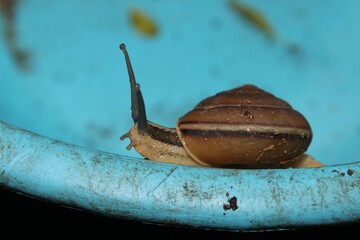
(244, 126)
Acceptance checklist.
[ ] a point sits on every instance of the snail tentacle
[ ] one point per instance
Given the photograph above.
(142, 120)
(137, 102)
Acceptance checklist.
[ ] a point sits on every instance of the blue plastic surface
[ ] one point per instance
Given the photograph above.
(148, 191)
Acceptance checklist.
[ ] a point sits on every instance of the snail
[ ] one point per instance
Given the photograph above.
(245, 127)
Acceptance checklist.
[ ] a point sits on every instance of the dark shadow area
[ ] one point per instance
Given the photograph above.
(26, 217)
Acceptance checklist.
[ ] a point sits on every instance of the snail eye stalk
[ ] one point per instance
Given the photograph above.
(138, 111)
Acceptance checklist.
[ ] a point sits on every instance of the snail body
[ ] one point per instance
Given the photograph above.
(245, 127)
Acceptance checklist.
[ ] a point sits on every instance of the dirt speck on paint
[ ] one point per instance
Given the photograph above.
(232, 204)
(350, 172)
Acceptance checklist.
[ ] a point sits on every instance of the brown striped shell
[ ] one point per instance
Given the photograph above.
(245, 126)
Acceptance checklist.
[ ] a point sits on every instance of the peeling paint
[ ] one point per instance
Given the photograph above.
(232, 204)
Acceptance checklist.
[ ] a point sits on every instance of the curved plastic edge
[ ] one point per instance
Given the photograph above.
(206, 198)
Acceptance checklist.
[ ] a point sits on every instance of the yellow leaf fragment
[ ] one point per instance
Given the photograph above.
(253, 17)
(143, 23)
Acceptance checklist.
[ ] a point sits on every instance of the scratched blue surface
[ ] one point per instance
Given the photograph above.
(146, 191)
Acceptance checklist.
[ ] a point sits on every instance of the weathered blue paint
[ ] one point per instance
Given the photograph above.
(148, 191)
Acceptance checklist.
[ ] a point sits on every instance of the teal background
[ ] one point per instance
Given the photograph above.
(76, 87)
